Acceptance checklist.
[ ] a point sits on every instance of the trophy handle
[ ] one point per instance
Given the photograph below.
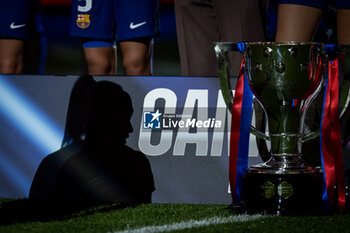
(304, 110)
(344, 98)
(222, 58)
(344, 102)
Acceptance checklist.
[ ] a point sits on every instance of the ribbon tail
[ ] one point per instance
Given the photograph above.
(331, 147)
(240, 131)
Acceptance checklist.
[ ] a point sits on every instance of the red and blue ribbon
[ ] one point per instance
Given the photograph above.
(240, 132)
(330, 141)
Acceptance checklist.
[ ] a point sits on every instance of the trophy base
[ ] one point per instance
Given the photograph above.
(294, 193)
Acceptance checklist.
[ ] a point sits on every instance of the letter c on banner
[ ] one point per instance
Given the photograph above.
(166, 136)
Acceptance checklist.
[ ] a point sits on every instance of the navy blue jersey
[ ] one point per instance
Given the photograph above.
(17, 18)
(114, 19)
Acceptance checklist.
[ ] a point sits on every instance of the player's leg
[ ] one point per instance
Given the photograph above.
(94, 22)
(297, 22)
(11, 56)
(100, 57)
(137, 55)
(17, 23)
(137, 25)
(100, 60)
(343, 29)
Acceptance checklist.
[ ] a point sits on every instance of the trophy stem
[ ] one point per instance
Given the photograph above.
(285, 137)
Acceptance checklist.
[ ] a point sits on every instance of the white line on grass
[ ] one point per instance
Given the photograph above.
(193, 223)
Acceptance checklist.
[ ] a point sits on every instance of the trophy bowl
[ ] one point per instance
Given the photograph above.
(284, 77)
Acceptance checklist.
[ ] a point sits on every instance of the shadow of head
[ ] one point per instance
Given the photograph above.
(99, 113)
(111, 111)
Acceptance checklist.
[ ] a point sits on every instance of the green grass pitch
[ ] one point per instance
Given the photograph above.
(33, 216)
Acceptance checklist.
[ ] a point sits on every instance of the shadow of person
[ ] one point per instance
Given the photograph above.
(77, 117)
(94, 170)
(97, 165)
(106, 169)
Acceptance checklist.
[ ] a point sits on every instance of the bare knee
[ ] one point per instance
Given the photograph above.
(11, 66)
(137, 56)
(100, 67)
(101, 61)
(136, 65)
(11, 56)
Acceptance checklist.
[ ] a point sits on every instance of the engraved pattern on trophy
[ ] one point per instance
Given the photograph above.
(282, 77)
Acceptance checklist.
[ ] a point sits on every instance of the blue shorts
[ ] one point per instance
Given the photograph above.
(114, 19)
(17, 18)
(322, 4)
